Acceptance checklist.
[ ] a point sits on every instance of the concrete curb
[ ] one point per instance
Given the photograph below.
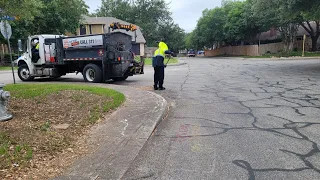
(119, 138)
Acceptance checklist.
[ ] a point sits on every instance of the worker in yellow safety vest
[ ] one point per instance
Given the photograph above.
(35, 51)
(158, 65)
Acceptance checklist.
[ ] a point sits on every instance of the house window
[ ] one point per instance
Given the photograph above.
(83, 30)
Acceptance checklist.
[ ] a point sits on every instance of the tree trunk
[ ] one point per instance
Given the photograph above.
(314, 33)
(314, 42)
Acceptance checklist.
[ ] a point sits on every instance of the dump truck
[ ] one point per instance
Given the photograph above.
(99, 57)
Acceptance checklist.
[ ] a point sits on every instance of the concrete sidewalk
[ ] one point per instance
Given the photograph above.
(119, 138)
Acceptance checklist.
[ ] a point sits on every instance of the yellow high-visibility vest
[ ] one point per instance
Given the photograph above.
(161, 50)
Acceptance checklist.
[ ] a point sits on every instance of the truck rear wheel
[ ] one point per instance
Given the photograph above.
(24, 73)
(92, 73)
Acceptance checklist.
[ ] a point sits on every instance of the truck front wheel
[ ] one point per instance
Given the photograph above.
(92, 73)
(24, 73)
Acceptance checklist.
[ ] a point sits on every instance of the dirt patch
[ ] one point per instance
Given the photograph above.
(46, 134)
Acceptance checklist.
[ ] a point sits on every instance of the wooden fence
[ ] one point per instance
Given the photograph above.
(4, 49)
(255, 50)
(250, 50)
(271, 48)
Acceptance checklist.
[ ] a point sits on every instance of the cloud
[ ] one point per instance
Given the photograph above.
(187, 12)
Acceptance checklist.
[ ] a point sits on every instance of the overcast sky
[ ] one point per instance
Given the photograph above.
(185, 12)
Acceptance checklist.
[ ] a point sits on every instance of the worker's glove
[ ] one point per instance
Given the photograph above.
(165, 66)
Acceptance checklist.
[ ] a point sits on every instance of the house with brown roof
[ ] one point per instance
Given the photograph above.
(100, 25)
(273, 35)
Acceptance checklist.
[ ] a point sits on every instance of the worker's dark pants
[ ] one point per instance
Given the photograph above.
(158, 76)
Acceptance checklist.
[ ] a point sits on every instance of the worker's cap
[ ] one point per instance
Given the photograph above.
(35, 41)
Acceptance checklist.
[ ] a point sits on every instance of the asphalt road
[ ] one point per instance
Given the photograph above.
(232, 119)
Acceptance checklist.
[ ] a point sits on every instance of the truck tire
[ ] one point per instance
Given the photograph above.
(24, 73)
(92, 73)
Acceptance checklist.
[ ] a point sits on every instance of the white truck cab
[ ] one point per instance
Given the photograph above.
(31, 66)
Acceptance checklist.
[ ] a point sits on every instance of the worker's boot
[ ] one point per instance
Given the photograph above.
(162, 88)
(155, 87)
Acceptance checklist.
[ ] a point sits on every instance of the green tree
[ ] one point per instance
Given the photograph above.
(121, 9)
(149, 16)
(233, 23)
(188, 40)
(44, 16)
(59, 17)
(240, 24)
(210, 28)
(173, 35)
(276, 13)
(24, 9)
(152, 16)
(287, 15)
(308, 12)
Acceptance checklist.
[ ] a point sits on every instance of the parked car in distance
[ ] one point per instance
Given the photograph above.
(200, 52)
(191, 53)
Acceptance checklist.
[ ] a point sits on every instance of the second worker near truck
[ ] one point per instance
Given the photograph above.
(158, 65)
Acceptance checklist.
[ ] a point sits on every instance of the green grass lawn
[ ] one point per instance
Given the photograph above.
(148, 61)
(18, 138)
(7, 68)
(34, 90)
(281, 54)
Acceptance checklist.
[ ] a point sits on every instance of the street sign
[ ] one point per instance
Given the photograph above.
(9, 18)
(5, 29)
